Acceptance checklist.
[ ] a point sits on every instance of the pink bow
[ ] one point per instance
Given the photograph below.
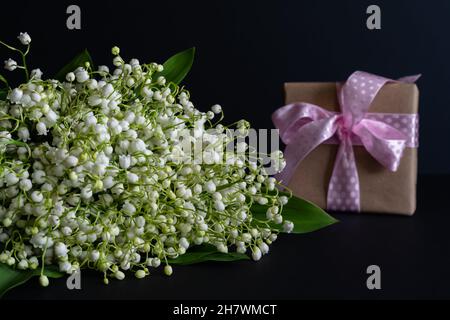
(304, 126)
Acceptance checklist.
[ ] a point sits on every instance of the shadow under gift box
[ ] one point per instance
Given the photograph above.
(381, 190)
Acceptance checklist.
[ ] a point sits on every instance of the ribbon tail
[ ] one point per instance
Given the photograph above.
(343, 189)
(410, 79)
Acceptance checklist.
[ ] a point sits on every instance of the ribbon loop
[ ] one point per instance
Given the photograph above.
(304, 126)
(358, 93)
(289, 119)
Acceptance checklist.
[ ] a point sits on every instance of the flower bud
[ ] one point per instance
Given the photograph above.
(256, 254)
(115, 50)
(168, 270)
(43, 280)
(140, 274)
(119, 275)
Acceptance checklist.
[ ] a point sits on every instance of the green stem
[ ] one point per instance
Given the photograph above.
(9, 47)
(24, 62)
(23, 55)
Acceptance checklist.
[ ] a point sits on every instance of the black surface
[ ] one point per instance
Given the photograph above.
(412, 252)
(247, 49)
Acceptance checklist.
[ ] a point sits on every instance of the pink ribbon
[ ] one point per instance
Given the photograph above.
(304, 126)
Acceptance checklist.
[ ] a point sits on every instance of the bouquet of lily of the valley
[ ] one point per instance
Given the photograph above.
(117, 171)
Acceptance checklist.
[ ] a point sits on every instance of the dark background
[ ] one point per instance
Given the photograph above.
(245, 51)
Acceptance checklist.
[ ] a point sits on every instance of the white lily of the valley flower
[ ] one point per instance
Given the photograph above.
(10, 64)
(216, 108)
(16, 95)
(70, 77)
(288, 226)
(82, 75)
(125, 161)
(41, 129)
(24, 38)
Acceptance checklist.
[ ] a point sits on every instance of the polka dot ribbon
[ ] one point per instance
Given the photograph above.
(304, 126)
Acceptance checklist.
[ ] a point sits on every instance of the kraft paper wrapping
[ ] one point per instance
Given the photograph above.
(382, 191)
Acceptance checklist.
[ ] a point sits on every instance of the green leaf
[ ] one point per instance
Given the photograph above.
(226, 257)
(3, 94)
(2, 79)
(51, 272)
(11, 278)
(6, 141)
(79, 61)
(204, 253)
(306, 216)
(178, 66)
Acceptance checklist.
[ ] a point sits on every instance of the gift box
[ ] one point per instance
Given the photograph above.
(352, 146)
